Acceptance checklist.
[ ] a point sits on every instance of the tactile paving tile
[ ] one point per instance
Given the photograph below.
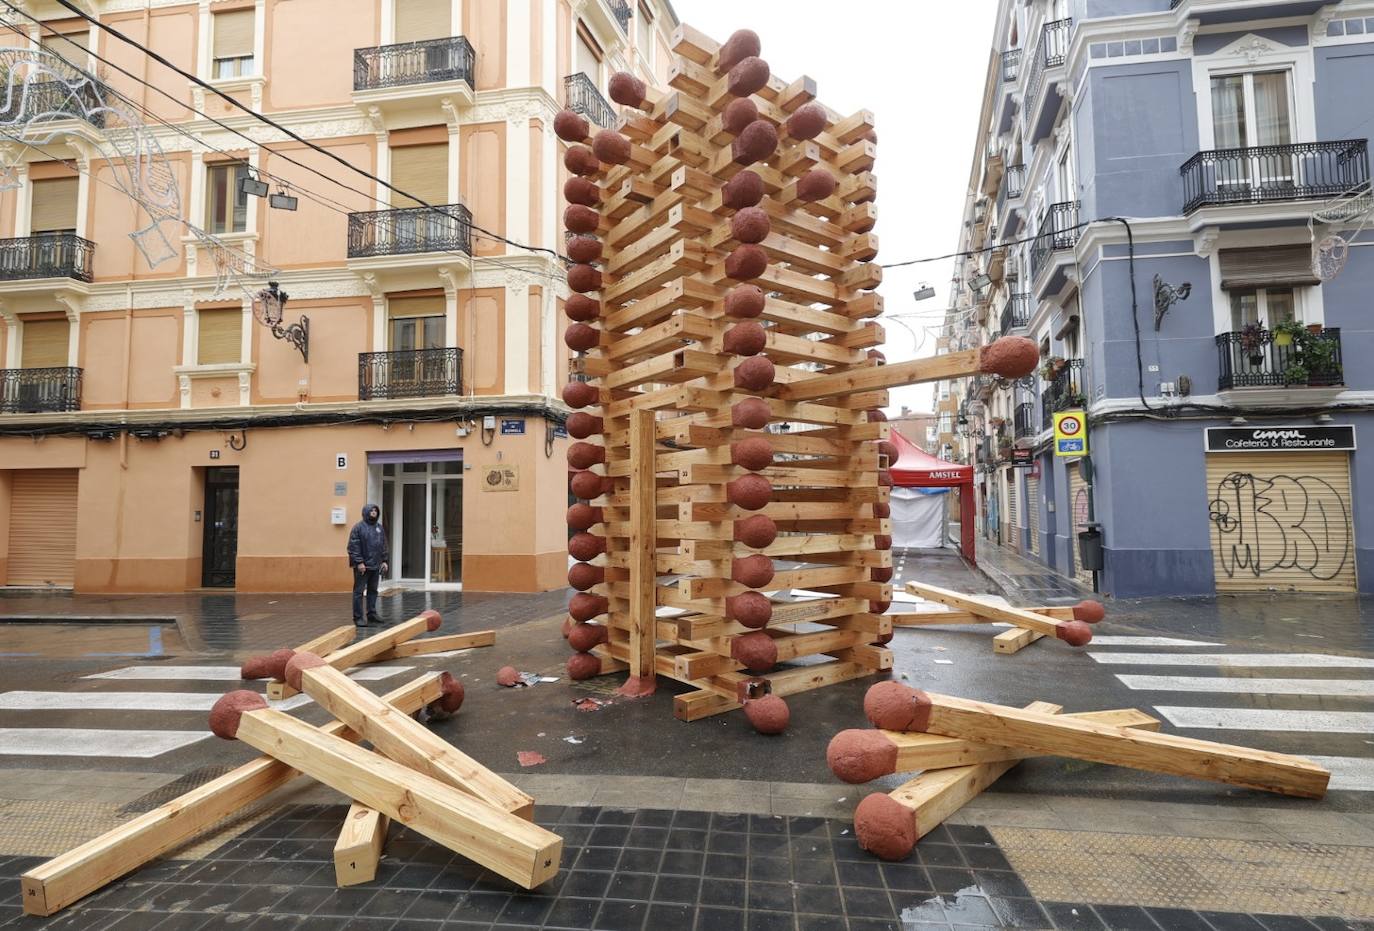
(173, 789)
(45, 828)
(1208, 874)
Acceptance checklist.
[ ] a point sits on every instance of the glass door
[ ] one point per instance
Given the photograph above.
(1251, 111)
(422, 510)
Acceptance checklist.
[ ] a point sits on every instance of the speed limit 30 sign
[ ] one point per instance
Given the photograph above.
(1070, 433)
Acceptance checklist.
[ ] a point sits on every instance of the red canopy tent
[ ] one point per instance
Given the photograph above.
(916, 468)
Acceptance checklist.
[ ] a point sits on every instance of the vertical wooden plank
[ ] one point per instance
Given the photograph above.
(643, 503)
(359, 846)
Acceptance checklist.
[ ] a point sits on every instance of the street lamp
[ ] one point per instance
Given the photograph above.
(269, 306)
(924, 293)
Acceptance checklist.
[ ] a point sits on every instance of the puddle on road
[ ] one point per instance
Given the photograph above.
(126, 638)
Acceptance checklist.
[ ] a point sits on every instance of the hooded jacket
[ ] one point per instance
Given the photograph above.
(367, 542)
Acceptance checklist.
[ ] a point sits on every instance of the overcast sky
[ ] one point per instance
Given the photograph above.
(919, 65)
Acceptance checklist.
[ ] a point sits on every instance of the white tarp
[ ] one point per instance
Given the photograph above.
(918, 517)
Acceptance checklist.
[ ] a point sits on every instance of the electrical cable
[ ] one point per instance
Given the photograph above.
(291, 134)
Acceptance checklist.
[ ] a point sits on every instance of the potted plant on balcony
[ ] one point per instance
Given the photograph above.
(1004, 448)
(1287, 331)
(1052, 367)
(1252, 341)
(1296, 374)
(1318, 356)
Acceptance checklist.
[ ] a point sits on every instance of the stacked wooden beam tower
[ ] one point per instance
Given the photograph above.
(723, 278)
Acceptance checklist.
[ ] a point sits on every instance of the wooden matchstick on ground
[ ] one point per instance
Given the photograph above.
(893, 706)
(1089, 612)
(522, 852)
(364, 651)
(1074, 633)
(401, 738)
(52, 886)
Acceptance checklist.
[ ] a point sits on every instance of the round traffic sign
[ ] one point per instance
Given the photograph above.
(1069, 426)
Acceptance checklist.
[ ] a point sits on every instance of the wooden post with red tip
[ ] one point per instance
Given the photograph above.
(366, 651)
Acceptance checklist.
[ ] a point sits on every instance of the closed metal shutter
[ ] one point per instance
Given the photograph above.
(43, 528)
(421, 170)
(417, 20)
(54, 205)
(1281, 522)
(1011, 528)
(1032, 509)
(219, 336)
(45, 344)
(1076, 493)
(233, 34)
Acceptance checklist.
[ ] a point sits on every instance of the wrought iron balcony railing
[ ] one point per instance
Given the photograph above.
(1013, 185)
(1023, 420)
(40, 391)
(1260, 358)
(412, 373)
(1058, 230)
(52, 100)
(621, 11)
(1050, 52)
(581, 95)
(446, 228)
(1264, 174)
(46, 255)
(447, 59)
(1063, 389)
(1011, 65)
(1016, 313)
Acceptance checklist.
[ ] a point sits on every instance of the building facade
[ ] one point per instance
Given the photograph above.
(155, 435)
(1139, 205)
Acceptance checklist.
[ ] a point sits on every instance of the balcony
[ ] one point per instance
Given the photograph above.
(1063, 390)
(413, 373)
(40, 391)
(1023, 421)
(1051, 53)
(1212, 12)
(1274, 173)
(581, 95)
(410, 231)
(46, 255)
(1011, 65)
(621, 11)
(1058, 232)
(1256, 358)
(413, 77)
(1013, 186)
(1016, 313)
(46, 101)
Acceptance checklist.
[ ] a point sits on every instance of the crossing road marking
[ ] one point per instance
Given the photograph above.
(1124, 641)
(1266, 719)
(1359, 688)
(88, 742)
(1348, 773)
(124, 701)
(228, 673)
(1258, 660)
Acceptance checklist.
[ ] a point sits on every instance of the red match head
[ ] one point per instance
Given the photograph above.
(584, 636)
(742, 44)
(769, 714)
(897, 707)
(885, 827)
(611, 147)
(570, 126)
(1074, 633)
(807, 121)
(858, 755)
(432, 619)
(225, 715)
(583, 666)
(755, 650)
(626, 89)
(749, 76)
(450, 695)
(299, 663)
(1009, 357)
(1089, 612)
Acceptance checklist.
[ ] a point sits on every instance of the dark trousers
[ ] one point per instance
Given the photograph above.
(367, 579)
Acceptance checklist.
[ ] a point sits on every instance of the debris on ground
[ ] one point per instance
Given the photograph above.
(530, 758)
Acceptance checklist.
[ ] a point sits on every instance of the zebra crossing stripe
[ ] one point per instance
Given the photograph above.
(227, 673)
(89, 742)
(1126, 641)
(124, 701)
(1359, 688)
(1233, 660)
(1268, 719)
(1348, 773)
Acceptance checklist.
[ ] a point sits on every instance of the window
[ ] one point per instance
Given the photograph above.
(1266, 307)
(644, 35)
(233, 44)
(226, 205)
(53, 206)
(74, 47)
(588, 55)
(418, 20)
(45, 344)
(416, 323)
(1251, 110)
(219, 336)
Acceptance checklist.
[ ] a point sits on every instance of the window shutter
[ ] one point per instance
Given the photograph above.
(417, 20)
(234, 34)
(421, 170)
(1267, 266)
(45, 344)
(220, 336)
(73, 46)
(588, 55)
(397, 307)
(54, 205)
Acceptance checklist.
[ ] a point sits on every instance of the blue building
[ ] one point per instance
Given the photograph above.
(1142, 206)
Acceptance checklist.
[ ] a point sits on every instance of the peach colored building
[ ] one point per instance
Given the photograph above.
(155, 437)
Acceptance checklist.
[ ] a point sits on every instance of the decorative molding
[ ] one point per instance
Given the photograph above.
(374, 116)
(1254, 48)
(1187, 34)
(1205, 242)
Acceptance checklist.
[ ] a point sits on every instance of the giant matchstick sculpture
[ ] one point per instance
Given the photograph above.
(723, 281)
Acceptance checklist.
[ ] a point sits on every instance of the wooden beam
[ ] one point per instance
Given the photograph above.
(522, 852)
(937, 618)
(52, 886)
(409, 742)
(330, 641)
(1014, 640)
(986, 607)
(364, 651)
(878, 377)
(359, 845)
(1117, 746)
(426, 645)
(643, 541)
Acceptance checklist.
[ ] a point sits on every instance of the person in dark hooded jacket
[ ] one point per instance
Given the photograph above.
(368, 555)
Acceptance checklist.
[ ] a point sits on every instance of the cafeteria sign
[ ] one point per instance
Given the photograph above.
(1070, 433)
